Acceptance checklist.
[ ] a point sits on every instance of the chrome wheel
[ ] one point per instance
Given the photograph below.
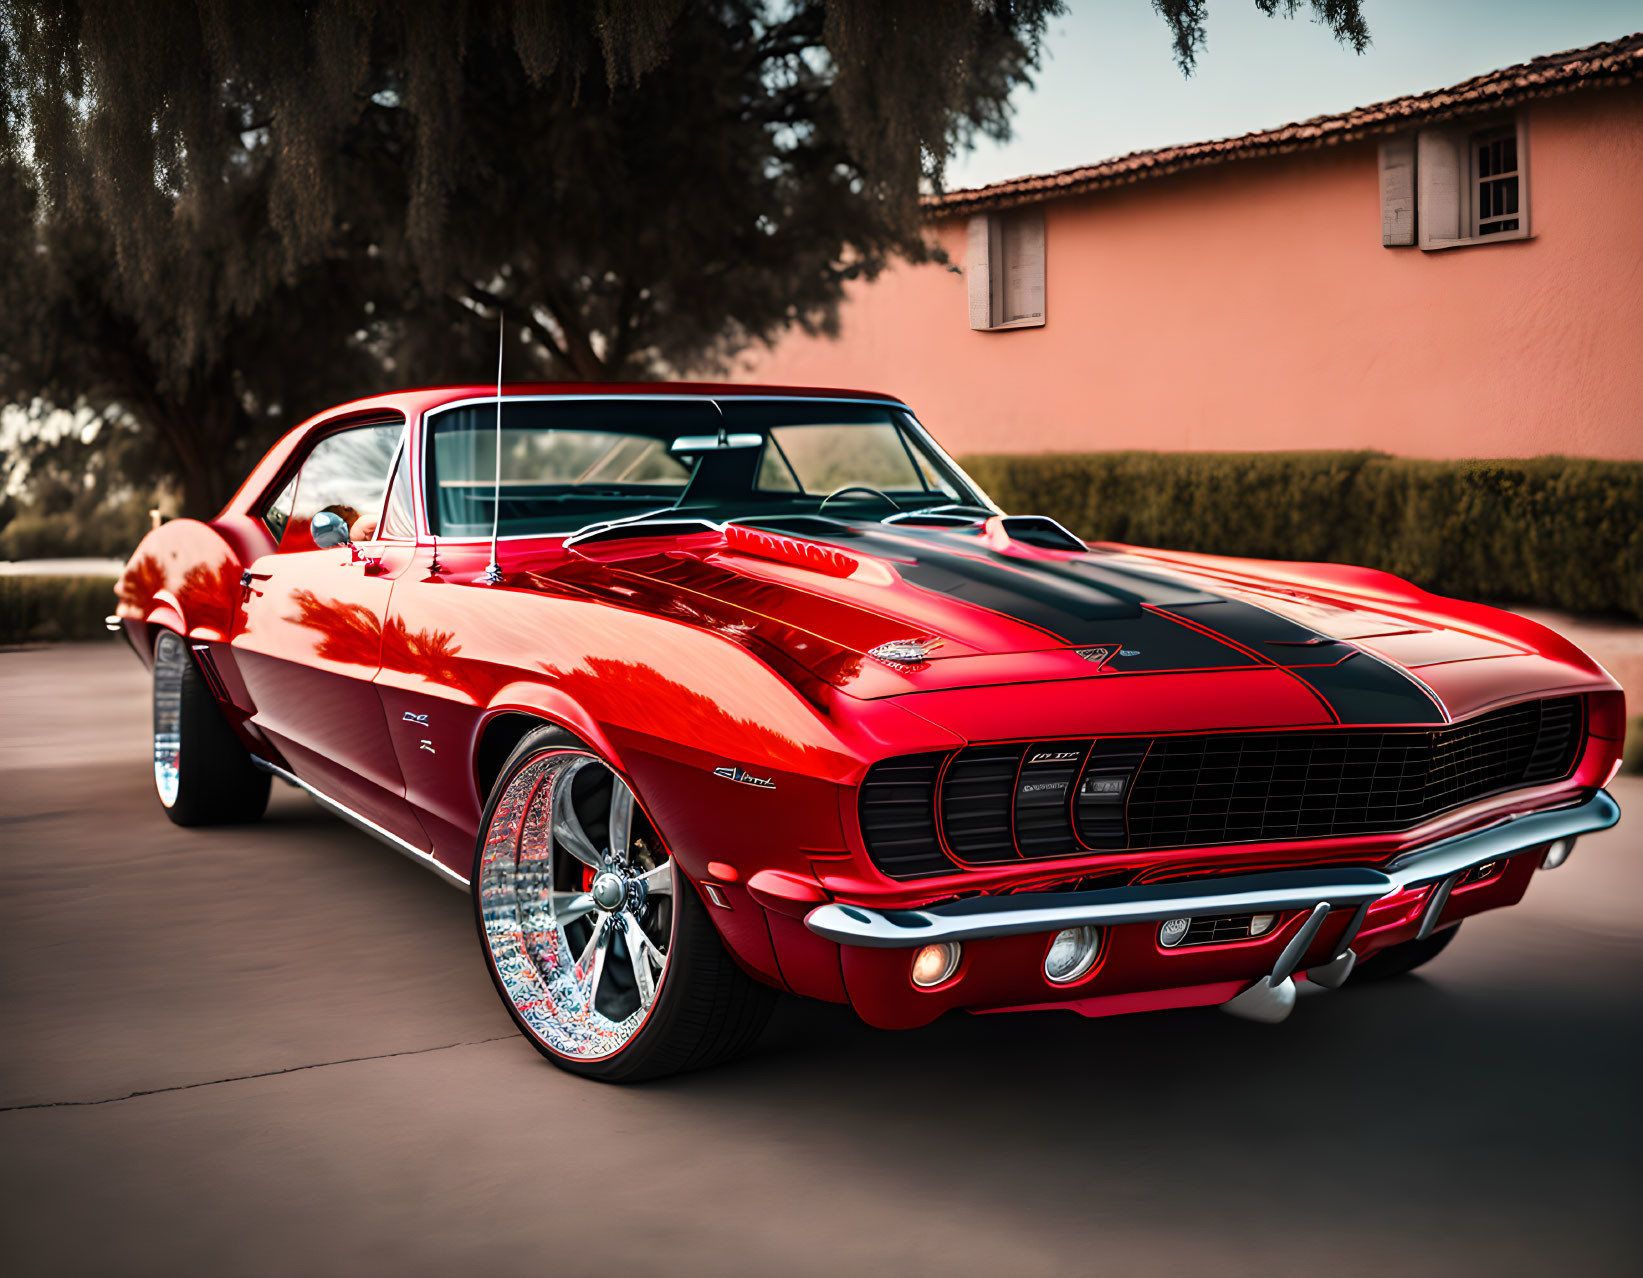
(576, 904)
(170, 663)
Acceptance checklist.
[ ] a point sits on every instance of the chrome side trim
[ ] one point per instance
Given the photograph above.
(424, 859)
(1347, 888)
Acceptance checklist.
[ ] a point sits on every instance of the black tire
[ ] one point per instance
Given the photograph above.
(706, 1010)
(1397, 960)
(214, 781)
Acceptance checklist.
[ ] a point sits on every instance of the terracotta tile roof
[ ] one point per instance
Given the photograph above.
(1610, 63)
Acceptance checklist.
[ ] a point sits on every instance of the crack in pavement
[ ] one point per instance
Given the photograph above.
(241, 1078)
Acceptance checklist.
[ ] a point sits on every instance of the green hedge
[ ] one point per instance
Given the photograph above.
(33, 609)
(1558, 532)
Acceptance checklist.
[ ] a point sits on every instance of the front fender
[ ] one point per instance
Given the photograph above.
(185, 576)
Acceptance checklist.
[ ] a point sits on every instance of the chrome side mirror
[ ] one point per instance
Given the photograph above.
(329, 529)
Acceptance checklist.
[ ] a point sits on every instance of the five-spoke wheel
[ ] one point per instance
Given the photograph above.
(583, 921)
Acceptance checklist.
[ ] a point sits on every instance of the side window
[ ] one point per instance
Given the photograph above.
(277, 513)
(397, 520)
(344, 474)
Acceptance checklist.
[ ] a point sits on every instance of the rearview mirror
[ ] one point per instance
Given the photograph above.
(713, 443)
(329, 529)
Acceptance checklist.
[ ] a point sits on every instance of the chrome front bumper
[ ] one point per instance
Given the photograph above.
(1319, 891)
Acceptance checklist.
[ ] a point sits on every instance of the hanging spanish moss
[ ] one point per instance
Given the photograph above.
(220, 216)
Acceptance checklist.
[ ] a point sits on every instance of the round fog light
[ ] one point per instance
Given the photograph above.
(933, 964)
(1557, 854)
(1171, 932)
(1071, 953)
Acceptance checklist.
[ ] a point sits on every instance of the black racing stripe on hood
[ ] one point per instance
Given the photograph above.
(1358, 687)
(1364, 690)
(1087, 602)
(1077, 604)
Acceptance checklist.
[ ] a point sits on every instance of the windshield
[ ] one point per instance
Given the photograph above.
(568, 463)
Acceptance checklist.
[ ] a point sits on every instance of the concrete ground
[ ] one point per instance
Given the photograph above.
(275, 1050)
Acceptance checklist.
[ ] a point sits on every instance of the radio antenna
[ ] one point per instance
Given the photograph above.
(493, 571)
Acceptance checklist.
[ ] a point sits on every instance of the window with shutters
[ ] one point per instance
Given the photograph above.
(1005, 269)
(1470, 186)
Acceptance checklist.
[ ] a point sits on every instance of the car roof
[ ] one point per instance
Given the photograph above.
(420, 399)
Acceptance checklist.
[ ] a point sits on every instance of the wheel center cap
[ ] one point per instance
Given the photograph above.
(609, 890)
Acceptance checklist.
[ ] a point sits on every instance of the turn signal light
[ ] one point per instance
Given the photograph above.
(933, 964)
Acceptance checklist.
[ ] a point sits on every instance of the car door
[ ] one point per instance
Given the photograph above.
(308, 637)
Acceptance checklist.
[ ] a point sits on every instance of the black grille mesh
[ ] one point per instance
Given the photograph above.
(1026, 800)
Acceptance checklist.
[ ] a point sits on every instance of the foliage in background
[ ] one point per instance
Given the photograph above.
(219, 217)
(1555, 532)
(77, 488)
(38, 609)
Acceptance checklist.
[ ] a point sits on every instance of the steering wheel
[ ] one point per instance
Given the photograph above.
(857, 488)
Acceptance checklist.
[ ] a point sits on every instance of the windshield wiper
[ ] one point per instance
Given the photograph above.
(662, 522)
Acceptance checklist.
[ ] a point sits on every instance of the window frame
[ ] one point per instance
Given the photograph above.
(424, 434)
(402, 452)
(289, 473)
(1475, 141)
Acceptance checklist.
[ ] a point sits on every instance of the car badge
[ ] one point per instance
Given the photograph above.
(904, 652)
(745, 778)
(1098, 656)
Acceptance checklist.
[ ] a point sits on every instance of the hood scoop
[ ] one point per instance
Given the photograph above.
(789, 550)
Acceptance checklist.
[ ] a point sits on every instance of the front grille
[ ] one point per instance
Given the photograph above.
(1033, 800)
(1222, 929)
(897, 801)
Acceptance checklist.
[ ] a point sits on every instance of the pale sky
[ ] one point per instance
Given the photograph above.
(1109, 84)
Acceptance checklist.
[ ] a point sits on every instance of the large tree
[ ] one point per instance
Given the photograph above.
(216, 217)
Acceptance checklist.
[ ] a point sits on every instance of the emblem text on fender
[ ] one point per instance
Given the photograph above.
(1098, 656)
(746, 778)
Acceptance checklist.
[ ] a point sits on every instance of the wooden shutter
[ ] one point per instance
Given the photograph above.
(1023, 267)
(1440, 168)
(978, 271)
(1398, 192)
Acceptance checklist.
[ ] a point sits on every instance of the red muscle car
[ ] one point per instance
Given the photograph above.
(759, 692)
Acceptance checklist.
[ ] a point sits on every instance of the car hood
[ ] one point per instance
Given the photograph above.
(818, 597)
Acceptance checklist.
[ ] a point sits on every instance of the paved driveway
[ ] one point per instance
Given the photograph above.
(275, 1051)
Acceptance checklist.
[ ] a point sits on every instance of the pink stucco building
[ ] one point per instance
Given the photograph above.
(1457, 273)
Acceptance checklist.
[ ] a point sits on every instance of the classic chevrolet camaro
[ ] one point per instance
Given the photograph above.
(707, 692)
